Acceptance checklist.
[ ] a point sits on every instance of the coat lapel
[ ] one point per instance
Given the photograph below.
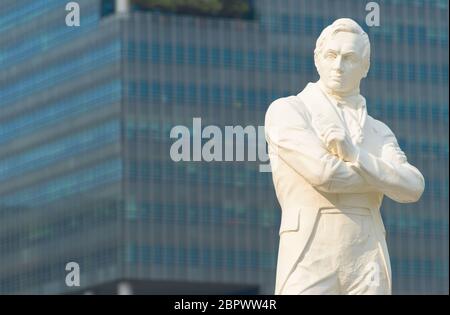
(323, 112)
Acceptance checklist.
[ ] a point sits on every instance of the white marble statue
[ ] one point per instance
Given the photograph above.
(332, 164)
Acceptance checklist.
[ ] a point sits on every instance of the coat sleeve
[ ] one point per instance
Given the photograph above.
(391, 172)
(292, 140)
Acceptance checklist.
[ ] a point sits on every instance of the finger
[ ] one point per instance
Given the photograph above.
(324, 128)
(332, 147)
(339, 150)
(333, 141)
(334, 151)
(330, 137)
(337, 135)
(331, 134)
(327, 134)
(331, 127)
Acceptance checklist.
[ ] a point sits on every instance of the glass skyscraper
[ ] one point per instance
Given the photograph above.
(86, 115)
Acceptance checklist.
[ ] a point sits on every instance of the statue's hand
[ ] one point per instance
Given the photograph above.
(340, 144)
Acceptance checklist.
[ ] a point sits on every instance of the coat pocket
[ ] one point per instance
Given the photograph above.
(290, 220)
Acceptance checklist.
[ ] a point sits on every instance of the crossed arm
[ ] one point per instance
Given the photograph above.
(391, 173)
(293, 140)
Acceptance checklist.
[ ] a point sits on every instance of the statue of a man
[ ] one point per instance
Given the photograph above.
(332, 164)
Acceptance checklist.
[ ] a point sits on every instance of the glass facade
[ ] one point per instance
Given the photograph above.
(61, 164)
(85, 120)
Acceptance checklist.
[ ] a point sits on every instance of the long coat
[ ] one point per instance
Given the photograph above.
(308, 178)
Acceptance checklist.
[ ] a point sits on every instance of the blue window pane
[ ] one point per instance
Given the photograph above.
(168, 53)
(274, 61)
(191, 55)
(192, 93)
(144, 89)
(203, 56)
(227, 57)
(215, 94)
(215, 56)
(180, 93)
(156, 92)
(143, 53)
(204, 94)
(132, 90)
(180, 54)
(238, 58)
(155, 53)
(168, 92)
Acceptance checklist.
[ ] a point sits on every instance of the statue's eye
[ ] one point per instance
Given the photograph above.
(350, 58)
(330, 56)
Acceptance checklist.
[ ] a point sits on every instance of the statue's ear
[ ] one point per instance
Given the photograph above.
(316, 61)
(366, 69)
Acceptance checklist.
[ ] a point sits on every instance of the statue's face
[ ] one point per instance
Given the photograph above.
(340, 63)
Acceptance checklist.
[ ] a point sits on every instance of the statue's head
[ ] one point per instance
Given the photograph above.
(342, 56)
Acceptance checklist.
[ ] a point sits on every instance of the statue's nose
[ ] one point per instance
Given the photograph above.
(337, 63)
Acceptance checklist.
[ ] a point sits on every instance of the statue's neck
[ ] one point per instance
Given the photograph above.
(345, 98)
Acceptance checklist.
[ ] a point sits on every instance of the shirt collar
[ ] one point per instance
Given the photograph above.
(356, 101)
(359, 103)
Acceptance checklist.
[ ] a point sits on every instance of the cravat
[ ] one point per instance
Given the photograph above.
(352, 120)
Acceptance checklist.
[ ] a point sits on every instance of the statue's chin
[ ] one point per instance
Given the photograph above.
(335, 86)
